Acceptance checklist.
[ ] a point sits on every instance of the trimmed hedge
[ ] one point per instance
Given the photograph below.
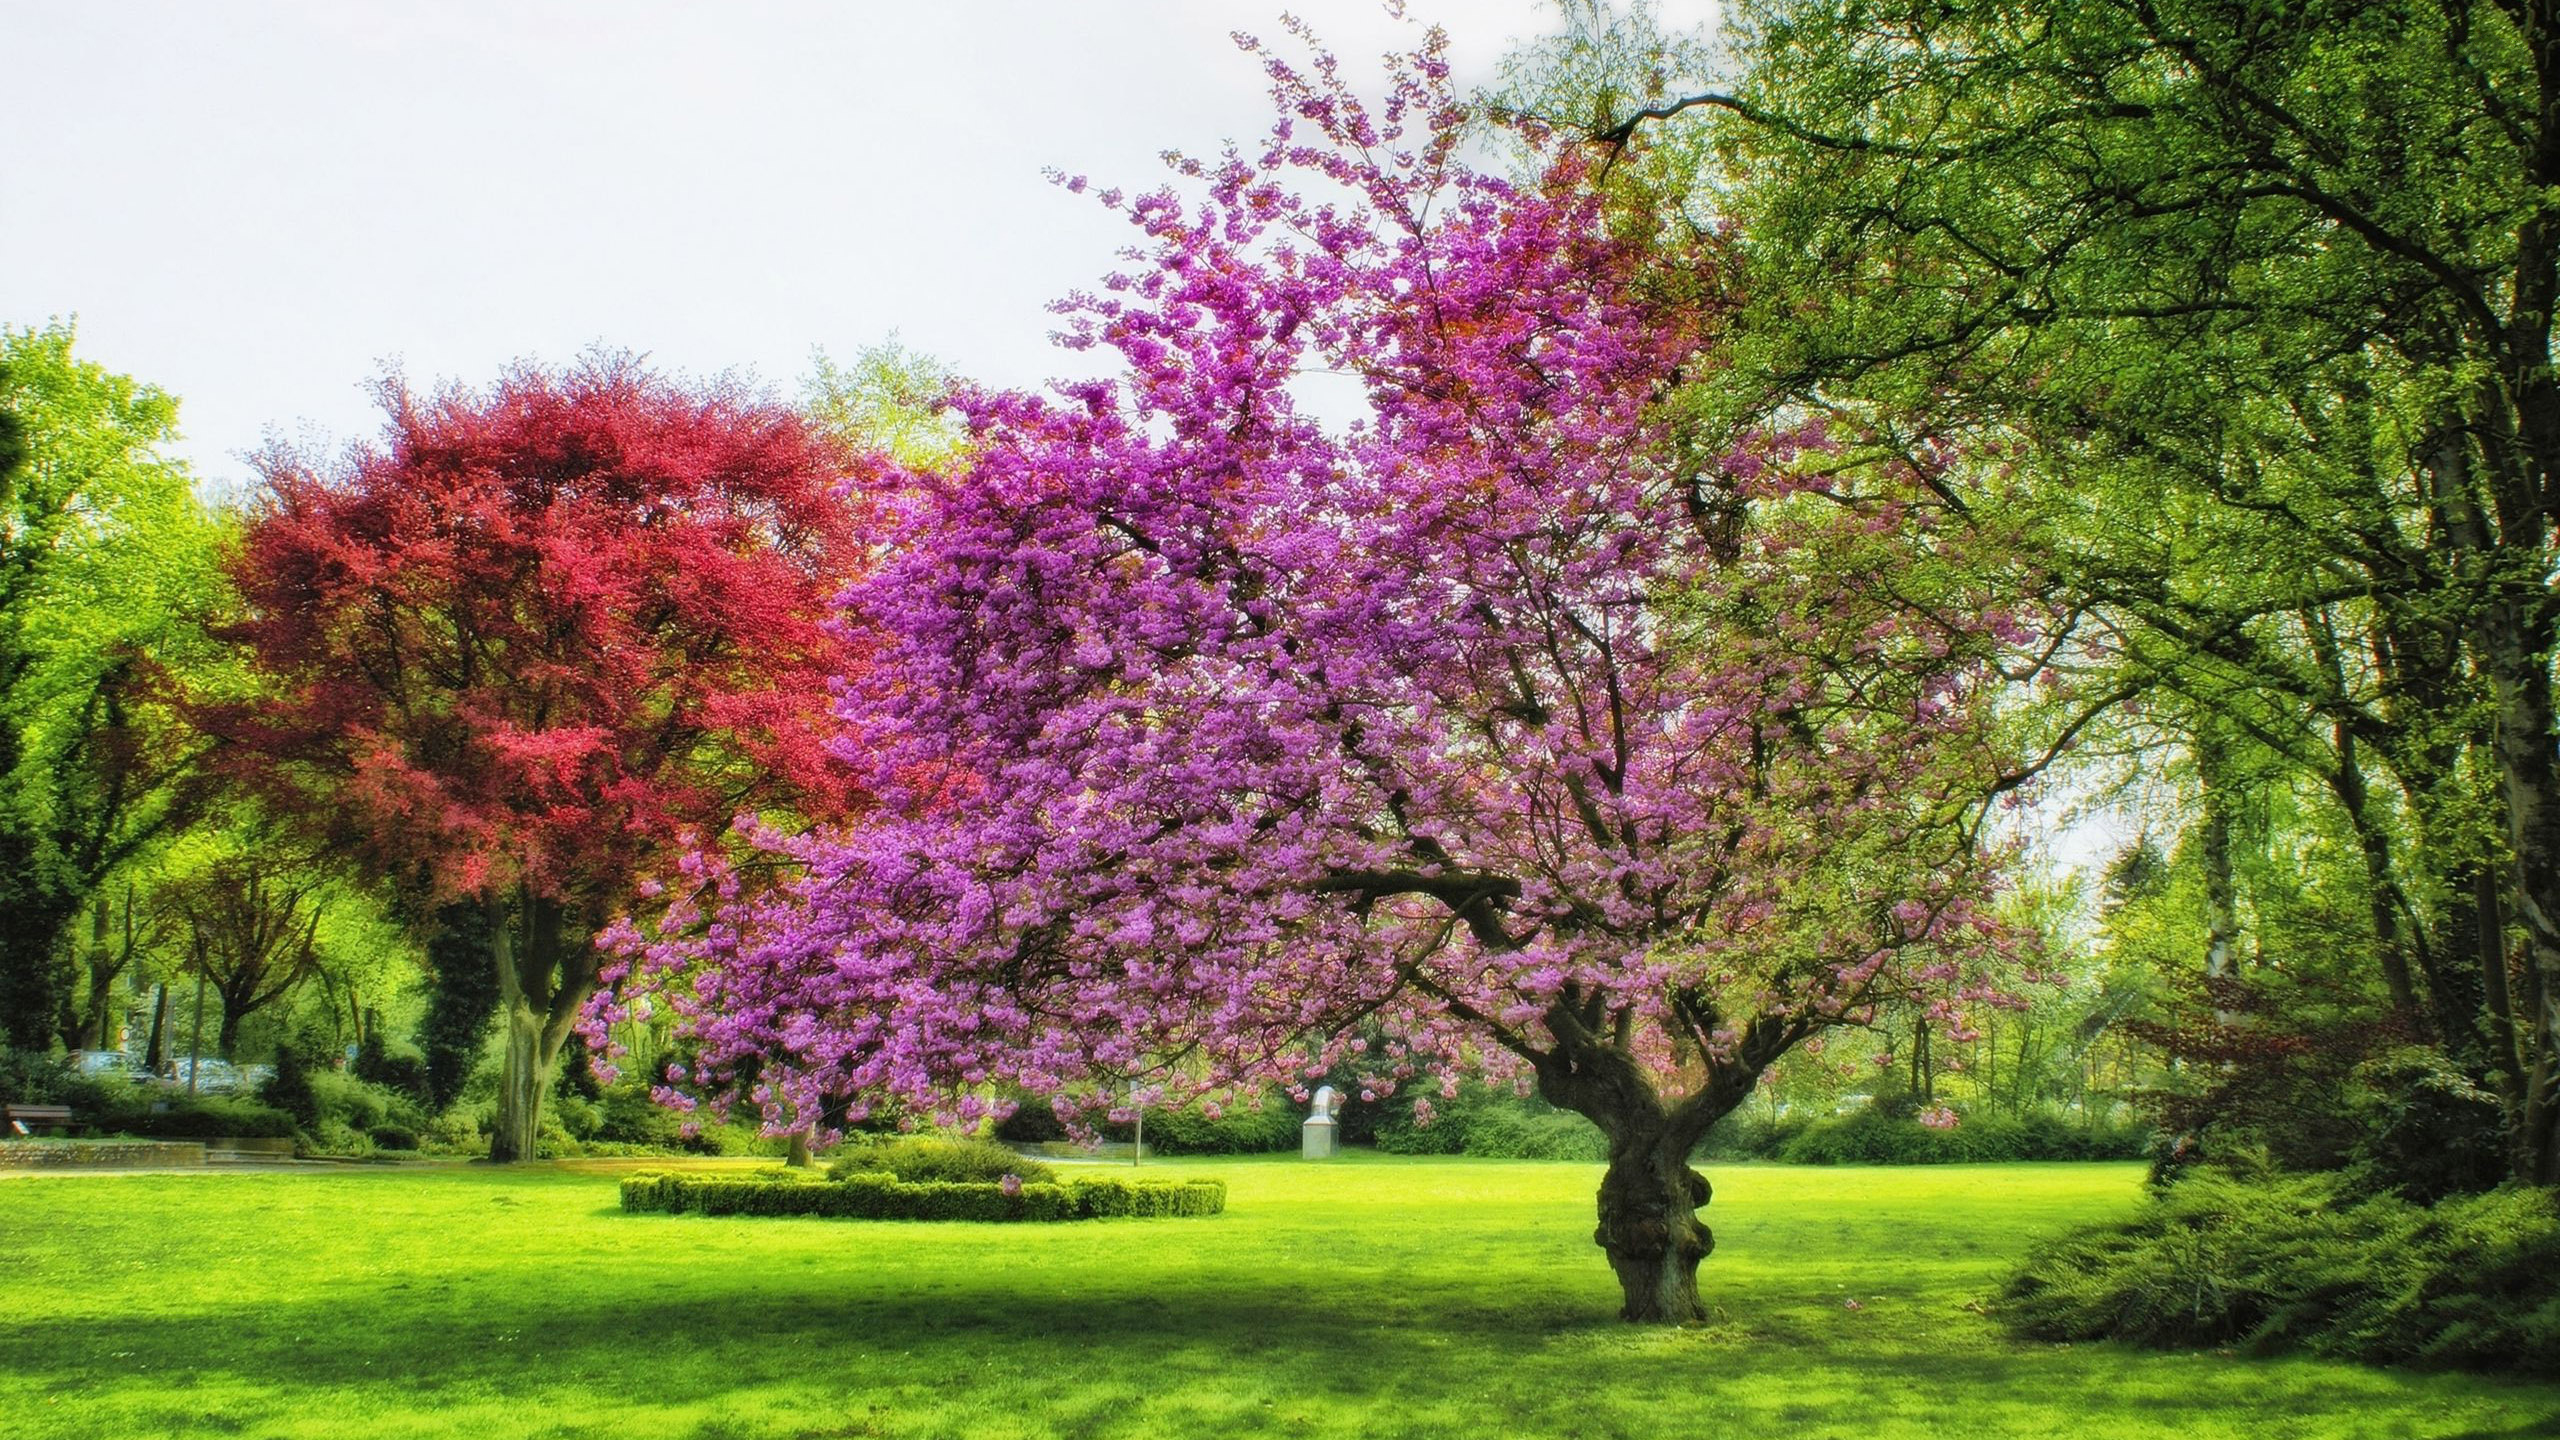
(874, 1195)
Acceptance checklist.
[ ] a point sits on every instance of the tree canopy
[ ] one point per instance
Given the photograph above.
(530, 640)
(1500, 730)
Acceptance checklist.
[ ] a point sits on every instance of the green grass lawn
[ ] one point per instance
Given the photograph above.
(1369, 1297)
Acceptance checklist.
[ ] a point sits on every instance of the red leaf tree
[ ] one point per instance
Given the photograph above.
(1514, 729)
(519, 648)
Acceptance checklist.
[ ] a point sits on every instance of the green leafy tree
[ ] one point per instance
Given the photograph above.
(2241, 316)
(106, 569)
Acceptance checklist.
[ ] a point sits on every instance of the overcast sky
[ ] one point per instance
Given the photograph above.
(261, 204)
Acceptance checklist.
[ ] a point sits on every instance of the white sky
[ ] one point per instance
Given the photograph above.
(260, 204)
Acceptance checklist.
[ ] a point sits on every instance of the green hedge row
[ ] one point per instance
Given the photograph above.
(871, 1195)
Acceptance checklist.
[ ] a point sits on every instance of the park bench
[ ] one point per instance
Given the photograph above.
(27, 1119)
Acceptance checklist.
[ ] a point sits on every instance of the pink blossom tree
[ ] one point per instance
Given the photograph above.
(1212, 741)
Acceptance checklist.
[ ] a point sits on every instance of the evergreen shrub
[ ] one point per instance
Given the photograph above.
(2277, 1261)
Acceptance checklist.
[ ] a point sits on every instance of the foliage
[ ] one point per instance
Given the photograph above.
(956, 1161)
(2277, 1261)
(2298, 1073)
(1876, 1136)
(1250, 1125)
(2247, 302)
(399, 1071)
(106, 571)
(117, 1107)
(203, 1117)
(881, 1195)
(514, 651)
(889, 400)
(293, 1088)
(1504, 722)
(462, 996)
(2423, 1129)
(1492, 1124)
(32, 1077)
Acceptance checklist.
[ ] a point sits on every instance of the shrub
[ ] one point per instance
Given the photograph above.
(2280, 1261)
(1495, 1125)
(455, 1132)
(1752, 1136)
(879, 1195)
(2423, 1129)
(205, 1117)
(402, 1072)
(935, 1159)
(1876, 1136)
(290, 1090)
(1259, 1127)
(335, 1137)
(393, 1137)
(28, 1077)
(627, 1116)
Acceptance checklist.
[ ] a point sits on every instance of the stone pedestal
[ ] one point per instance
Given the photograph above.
(1317, 1138)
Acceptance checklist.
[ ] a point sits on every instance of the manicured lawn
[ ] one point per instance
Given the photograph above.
(1371, 1297)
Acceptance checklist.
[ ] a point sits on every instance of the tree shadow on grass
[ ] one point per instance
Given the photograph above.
(678, 1339)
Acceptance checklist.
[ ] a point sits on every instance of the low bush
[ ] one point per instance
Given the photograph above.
(403, 1071)
(879, 1195)
(1878, 1135)
(393, 1137)
(1495, 1125)
(627, 1116)
(938, 1160)
(335, 1137)
(1252, 1127)
(31, 1078)
(2276, 1261)
(205, 1117)
(2423, 1128)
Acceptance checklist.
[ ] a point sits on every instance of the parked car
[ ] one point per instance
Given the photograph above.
(114, 1064)
(211, 1076)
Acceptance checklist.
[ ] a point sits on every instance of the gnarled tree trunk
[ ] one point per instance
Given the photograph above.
(1649, 1197)
(1649, 1228)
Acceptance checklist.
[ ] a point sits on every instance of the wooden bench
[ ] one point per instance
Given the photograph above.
(27, 1119)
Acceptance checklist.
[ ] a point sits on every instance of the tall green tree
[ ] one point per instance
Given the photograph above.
(106, 569)
(2242, 315)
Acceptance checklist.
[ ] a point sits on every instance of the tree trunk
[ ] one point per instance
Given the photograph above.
(523, 1078)
(1649, 1197)
(2221, 907)
(155, 1051)
(543, 981)
(1649, 1228)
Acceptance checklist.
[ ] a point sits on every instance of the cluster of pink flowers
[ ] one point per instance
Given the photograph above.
(1212, 744)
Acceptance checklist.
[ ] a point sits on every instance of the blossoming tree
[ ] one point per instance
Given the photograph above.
(1212, 742)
